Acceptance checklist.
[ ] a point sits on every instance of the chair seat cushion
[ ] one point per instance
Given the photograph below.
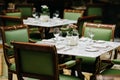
(68, 77)
(116, 61)
(111, 72)
(13, 67)
(70, 63)
(10, 52)
(87, 61)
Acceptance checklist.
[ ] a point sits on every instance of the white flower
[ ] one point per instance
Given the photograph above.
(44, 6)
(45, 9)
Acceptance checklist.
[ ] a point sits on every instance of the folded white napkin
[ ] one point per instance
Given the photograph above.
(99, 46)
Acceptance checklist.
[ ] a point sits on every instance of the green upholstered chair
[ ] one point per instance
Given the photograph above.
(12, 12)
(26, 9)
(11, 17)
(72, 14)
(112, 71)
(101, 32)
(94, 9)
(10, 20)
(39, 61)
(9, 34)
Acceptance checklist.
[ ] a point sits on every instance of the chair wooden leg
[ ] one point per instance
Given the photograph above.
(19, 77)
(10, 75)
(78, 69)
(116, 53)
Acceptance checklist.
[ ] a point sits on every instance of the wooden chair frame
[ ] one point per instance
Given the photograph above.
(51, 49)
(98, 25)
(103, 26)
(6, 46)
(5, 18)
(30, 6)
(35, 47)
(81, 12)
(10, 11)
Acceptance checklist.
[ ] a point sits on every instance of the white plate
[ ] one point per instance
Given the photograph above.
(100, 41)
(91, 50)
(99, 46)
(48, 40)
(60, 46)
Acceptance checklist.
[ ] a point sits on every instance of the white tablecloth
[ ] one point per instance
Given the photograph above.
(49, 23)
(84, 48)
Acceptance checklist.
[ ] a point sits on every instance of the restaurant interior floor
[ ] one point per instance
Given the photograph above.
(3, 67)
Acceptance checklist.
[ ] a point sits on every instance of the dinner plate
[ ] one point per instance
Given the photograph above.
(48, 40)
(91, 50)
(99, 41)
(99, 46)
(60, 46)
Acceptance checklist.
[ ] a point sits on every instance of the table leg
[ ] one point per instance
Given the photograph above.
(41, 30)
(97, 64)
(117, 51)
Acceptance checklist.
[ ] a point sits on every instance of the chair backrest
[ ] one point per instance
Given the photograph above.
(12, 12)
(36, 61)
(10, 20)
(73, 14)
(12, 33)
(94, 9)
(11, 17)
(26, 9)
(101, 31)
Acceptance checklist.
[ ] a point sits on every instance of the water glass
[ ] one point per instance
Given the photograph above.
(56, 14)
(56, 33)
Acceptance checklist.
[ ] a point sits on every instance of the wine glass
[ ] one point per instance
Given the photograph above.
(56, 14)
(91, 34)
(36, 15)
(56, 33)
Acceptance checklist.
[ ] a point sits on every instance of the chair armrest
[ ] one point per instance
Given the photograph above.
(69, 64)
(89, 18)
(116, 61)
(8, 46)
(32, 41)
(108, 62)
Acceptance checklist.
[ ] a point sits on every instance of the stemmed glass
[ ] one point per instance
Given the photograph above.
(91, 34)
(36, 15)
(56, 33)
(56, 14)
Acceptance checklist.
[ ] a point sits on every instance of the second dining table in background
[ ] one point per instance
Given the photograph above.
(46, 25)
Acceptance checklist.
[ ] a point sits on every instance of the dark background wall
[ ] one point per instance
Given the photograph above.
(111, 10)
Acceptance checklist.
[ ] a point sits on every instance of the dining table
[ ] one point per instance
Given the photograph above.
(47, 24)
(82, 47)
